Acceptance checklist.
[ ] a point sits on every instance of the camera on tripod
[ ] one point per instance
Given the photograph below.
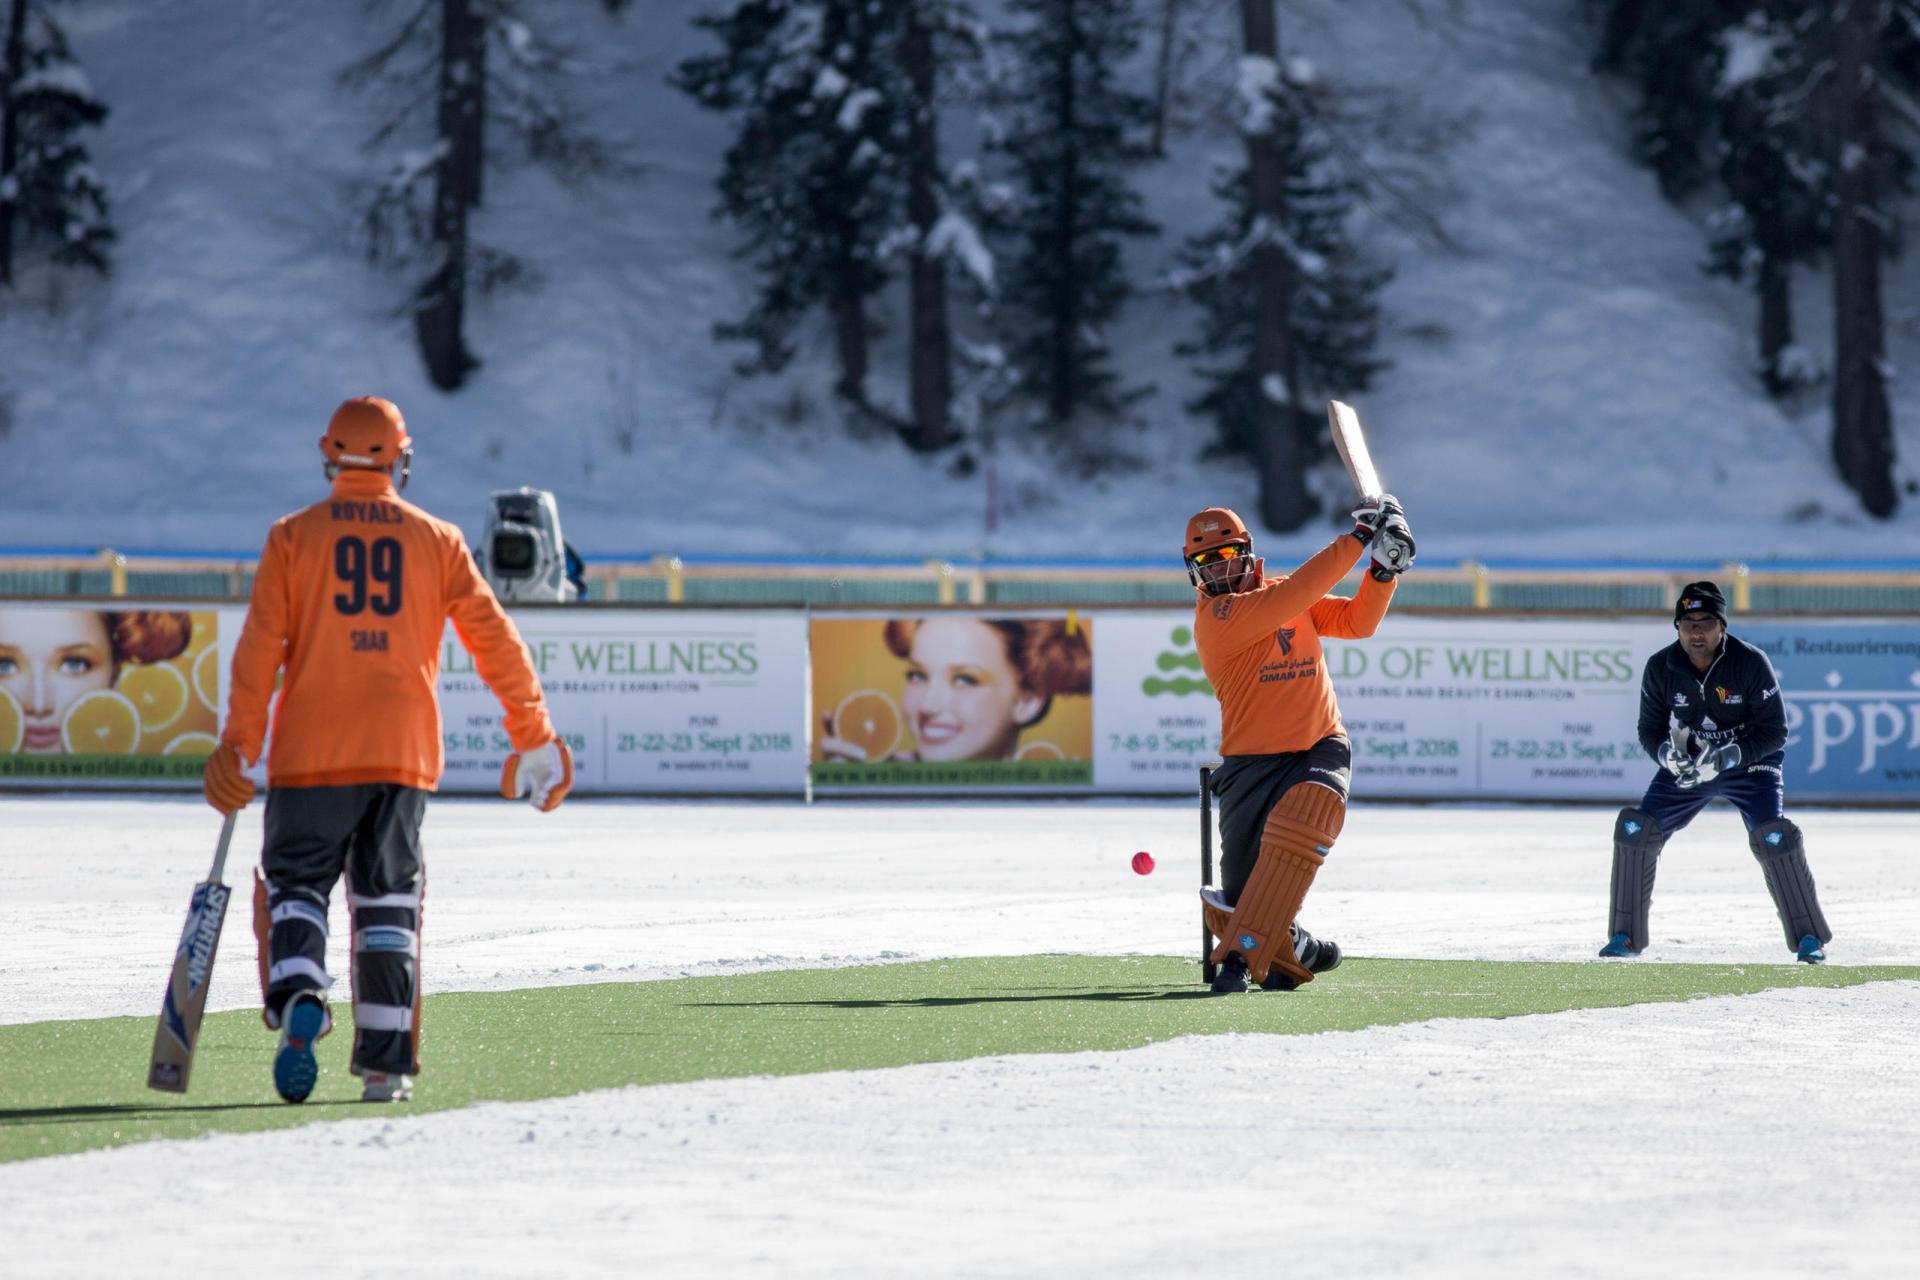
(523, 555)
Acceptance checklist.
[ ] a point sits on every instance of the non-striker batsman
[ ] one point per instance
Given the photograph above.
(349, 605)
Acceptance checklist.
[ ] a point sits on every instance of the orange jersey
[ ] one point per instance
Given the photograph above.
(1261, 651)
(351, 598)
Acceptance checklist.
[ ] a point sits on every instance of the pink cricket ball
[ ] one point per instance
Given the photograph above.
(1142, 863)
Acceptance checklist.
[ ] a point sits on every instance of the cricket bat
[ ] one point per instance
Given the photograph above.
(186, 999)
(1351, 443)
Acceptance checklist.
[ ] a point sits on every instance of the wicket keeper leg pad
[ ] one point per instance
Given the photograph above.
(1300, 830)
(1637, 842)
(1782, 854)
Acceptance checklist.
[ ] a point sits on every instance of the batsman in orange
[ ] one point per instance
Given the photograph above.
(1286, 762)
(349, 605)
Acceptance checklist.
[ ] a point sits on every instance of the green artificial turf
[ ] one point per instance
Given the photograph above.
(72, 1086)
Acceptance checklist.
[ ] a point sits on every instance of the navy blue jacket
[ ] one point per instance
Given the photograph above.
(1737, 700)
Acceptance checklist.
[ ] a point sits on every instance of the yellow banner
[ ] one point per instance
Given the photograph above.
(946, 699)
(125, 694)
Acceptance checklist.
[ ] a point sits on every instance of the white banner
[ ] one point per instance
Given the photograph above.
(1155, 719)
(649, 700)
(1461, 707)
(1497, 707)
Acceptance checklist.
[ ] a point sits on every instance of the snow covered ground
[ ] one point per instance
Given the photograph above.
(1765, 1135)
(1564, 377)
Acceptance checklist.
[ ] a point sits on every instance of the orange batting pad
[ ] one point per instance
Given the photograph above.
(1300, 830)
(1214, 913)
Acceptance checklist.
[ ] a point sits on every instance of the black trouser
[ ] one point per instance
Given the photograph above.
(371, 832)
(1248, 787)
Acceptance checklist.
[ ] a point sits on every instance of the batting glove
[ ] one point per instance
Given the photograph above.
(1392, 548)
(543, 774)
(225, 782)
(1368, 516)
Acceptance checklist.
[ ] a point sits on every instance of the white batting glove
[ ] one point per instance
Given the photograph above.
(1368, 516)
(1391, 545)
(543, 774)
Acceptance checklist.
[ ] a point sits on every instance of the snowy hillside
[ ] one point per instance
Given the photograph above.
(1565, 383)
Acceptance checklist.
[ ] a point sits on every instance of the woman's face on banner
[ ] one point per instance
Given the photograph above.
(963, 697)
(49, 658)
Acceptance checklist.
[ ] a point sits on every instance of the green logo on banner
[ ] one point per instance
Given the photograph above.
(1184, 657)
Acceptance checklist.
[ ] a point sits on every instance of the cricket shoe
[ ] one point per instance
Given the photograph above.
(1231, 975)
(1316, 955)
(387, 1086)
(302, 1021)
(1619, 947)
(1810, 951)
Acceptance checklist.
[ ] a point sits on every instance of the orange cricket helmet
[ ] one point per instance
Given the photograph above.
(1219, 552)
(367, 433)
(1215, 527)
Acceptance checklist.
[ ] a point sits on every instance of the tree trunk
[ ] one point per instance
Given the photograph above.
(1063, 336)
(1163, 73)
(931, 359)
(1623, 23)
(1284, 502)
(16, 63)
(1775, 287)
(850, 341)
(440, 307)
(1862, 418)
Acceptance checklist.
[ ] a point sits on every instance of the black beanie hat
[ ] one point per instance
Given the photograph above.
(1700, 597)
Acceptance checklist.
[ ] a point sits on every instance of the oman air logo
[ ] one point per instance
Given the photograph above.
(1285, 636)
(1679, 699)
(1182, 657)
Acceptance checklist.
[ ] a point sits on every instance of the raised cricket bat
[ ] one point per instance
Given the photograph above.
(186, 999)
(1351, 443)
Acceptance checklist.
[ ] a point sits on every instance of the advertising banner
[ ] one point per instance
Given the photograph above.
(1852, 691)
(1157, 720)
(952, 700)
(649, 700)
(109, 696)
(1494, 707)
(690, 701)
(1497, 707)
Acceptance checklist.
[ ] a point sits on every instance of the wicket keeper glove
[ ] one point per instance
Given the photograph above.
(225, 782)
(543, 774)
(1685, 770)
(1718, 761)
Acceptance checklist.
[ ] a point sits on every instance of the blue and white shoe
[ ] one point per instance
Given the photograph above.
(295, 1069)
(1619, 947)
(1810, 952)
